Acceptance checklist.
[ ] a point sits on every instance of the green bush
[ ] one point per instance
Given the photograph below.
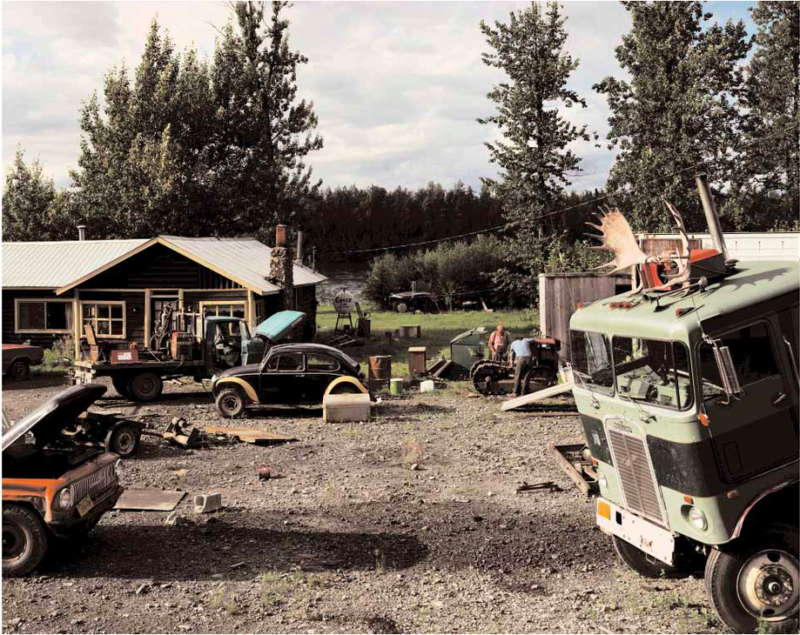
(450, 271)
(60, 356)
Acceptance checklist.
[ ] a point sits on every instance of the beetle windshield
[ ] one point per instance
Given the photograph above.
(591, 360)
(653, 371)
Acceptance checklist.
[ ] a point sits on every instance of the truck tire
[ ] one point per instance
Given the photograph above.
(757, 583)
(24, 540)
(122, 384)
(19, 370)
(645, 565)
(123, 440)
(231, 403)
(146, 386)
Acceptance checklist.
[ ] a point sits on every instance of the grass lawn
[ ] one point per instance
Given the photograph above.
(437, 331)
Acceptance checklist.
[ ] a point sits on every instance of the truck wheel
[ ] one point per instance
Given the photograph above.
(19, 370)
(122, 384)
(401, 307)
(231, 403)
(146, 386)
(24, 540)
(123, 440)
(758, 583)
(645, 565)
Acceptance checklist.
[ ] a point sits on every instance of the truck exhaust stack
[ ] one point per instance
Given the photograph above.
(712, 218)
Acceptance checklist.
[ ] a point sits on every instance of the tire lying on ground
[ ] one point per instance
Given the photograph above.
(756, 584)
(24, 540)
(231, 403)
(123, 440)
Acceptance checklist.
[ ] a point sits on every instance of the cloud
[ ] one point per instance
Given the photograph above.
(397, 86)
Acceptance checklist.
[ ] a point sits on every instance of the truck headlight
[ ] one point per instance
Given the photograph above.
(698, 519)
(65, 498)
(603, 481)
(118, 469)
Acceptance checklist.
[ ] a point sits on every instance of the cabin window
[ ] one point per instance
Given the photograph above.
(43, 316)
(106, 318)
(321, 363)
(653, 371)
(752, 354)
(231, 309)
(591, 360)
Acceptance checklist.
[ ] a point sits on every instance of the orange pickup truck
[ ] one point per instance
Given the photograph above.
(52, 487)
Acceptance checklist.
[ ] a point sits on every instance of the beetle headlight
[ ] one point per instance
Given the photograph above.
(698, 519)
(65, 498)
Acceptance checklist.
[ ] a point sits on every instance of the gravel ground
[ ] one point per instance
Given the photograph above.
(408, 523)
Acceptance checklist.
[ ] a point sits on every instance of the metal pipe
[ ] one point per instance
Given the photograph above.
(81, 232)
(299, 255)
(712, 218)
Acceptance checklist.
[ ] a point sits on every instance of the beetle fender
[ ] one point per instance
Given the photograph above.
(345, 380)
(238, 381)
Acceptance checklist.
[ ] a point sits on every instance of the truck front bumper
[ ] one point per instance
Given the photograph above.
(655, 541)
(73, 522)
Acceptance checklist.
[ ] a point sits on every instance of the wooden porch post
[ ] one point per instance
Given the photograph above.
(148, 321)
(77, 323)
(251, 309)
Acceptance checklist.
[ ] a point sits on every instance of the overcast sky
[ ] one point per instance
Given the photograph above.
(397, 86)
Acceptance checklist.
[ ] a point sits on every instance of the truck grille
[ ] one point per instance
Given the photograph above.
(94, 483)
(635, 475)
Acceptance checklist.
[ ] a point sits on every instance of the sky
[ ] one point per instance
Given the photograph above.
(397, 86)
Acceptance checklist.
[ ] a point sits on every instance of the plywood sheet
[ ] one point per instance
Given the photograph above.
(155, 500)
(249, 435)
(539, 395)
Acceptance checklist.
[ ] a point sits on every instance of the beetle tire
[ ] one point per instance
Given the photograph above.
(22, 524)
(727, 581)
(401, 307)
(345, 388)
(146, 387)
(123, 440)
(19, 370)
(231, 403)
(646, 566)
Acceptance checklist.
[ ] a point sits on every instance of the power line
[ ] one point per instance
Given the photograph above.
(604, 197)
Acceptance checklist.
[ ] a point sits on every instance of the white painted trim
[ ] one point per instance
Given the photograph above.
(18, 301)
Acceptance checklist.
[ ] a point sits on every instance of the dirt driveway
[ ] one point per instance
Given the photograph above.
(408, 523)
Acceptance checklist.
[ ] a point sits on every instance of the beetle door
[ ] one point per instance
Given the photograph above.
(282, 379)
(321, 370)
(758, 430)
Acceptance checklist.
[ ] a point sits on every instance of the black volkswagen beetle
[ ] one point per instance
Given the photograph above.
(289, 373)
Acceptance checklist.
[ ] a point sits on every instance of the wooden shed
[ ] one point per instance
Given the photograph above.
(559, 294)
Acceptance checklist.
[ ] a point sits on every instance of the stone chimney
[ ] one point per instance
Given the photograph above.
(281, 268)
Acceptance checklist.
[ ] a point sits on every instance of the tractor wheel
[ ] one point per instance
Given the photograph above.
(146, 387)
(756, 585)
(538, 378)
(24, 540)
(19, 370)
(401, 307)
(123, 440)
(231, 403)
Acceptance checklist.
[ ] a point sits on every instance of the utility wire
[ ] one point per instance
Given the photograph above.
(511, 224)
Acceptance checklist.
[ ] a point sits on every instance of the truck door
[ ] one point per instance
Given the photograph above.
(757, 431)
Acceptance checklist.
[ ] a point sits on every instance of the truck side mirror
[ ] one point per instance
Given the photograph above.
(727, 372)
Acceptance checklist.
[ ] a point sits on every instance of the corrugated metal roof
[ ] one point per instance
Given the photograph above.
(244, 258)
(60, 264)
(49, 265)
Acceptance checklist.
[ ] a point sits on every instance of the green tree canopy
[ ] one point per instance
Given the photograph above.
(533, 157)
(677, 110)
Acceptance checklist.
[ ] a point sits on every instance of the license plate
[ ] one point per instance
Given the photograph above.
(85, 506)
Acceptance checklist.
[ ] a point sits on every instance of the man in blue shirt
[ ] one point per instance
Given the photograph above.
(522, 351)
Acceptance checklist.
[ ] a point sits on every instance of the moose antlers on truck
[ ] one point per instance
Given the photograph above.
(617, 236)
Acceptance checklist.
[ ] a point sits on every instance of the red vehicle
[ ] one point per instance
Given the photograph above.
(18, 359)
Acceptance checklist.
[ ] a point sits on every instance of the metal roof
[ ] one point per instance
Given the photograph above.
(63, 264)
(49, 265)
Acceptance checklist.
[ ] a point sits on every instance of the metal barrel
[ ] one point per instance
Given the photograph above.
(380, 371)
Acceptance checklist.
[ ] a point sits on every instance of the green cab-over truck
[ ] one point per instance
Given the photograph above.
(689, 403)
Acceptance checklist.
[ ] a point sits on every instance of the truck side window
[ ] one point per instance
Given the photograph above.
(753, 358)
(591, 358)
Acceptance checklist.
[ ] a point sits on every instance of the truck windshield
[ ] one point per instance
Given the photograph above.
(653, 371)
(591, 360)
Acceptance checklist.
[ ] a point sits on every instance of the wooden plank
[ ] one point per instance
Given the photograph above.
(569, 469)
(539, 395)
(154, 500)
(249, 435)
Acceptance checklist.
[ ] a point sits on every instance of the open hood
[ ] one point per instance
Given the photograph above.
(278, 325)
(49, 419)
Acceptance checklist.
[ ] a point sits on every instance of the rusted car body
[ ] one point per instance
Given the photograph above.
(52, 488)
(18, 359)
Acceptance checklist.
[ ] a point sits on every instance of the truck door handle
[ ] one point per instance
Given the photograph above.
(778, 398)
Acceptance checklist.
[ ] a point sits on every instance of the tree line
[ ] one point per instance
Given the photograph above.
(223, 147)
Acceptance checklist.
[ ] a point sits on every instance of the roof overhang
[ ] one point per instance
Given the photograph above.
(161, 241)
